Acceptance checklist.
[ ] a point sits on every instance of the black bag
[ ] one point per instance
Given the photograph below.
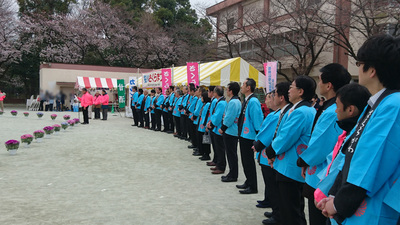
(206, 138)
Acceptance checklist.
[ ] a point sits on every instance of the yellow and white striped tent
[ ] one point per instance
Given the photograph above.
(221, 73)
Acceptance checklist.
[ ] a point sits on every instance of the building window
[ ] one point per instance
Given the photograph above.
(230, 24)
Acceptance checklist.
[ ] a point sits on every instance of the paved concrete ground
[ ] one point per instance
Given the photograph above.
(109, 172)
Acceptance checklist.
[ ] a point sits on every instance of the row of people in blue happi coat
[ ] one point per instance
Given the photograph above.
(344, 157)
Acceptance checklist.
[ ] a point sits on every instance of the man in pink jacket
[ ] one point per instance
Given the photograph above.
(86, 101)
(104, 106)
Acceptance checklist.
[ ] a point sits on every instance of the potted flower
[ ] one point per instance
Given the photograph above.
(57, 128)
(53, 116)
(39, 134)
(26, 139)
(71, 123)
(48, 130)
(1, 113)
(76, 120)
(14, 112)
(64, 125)
(26, 114)
(12, 146)
(39, 114)
(66, 117)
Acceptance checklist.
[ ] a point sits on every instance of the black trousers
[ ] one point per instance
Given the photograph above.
(315, 215)
(291, 203)
(85, 113)
(248, 162)
(153, 121)
(165, 120)
(146, 119)
(104, 112)
(214, 147)
(139, 112)
(178, 127)
(271, 188)
(220, 151)
(97, 113)
(189, 124)
(158, 119)
(231, 143)
(183, 125)
(171, 122)
(192, 132)
(135, 116)
(204, 149)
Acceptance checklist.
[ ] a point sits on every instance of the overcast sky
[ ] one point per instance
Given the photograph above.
(202, 4)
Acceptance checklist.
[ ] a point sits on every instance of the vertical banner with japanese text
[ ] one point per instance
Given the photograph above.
(133, 81)
(166, 79)
(121, 93)
(271, 70)
(193, 73)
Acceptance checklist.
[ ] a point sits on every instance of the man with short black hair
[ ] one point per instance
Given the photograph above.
(157, 107)
(135, 97)
(324, 135)
(249, 124)
(291, 139)
(366, 190)
(229, 131)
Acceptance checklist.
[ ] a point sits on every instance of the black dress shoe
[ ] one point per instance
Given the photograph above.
(263, 205)
(261, 201)
(196, 154)
(248, 191)
(270, 221)
(170, 132)
(228, 179)
(242, 186)
(204, 158)
(191, 146)
(268, 214)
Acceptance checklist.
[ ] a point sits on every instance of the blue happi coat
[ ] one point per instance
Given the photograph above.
(139, 101)
(166, 99)
(253, 118)
(202, 127)
(321, 144)
(266, 134)
(292, 139)
(216, 117)
(160, 100)
(184, 102)
(192, 107)
(135, 97)
(171, 101)
(152, 104)
(147, 104)
(197, 111)
(231, 116)
(375, 164)
(178, 102)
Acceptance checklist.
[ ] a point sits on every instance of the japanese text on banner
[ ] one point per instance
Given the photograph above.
(166, 79)
(270, 69)
(193, 73)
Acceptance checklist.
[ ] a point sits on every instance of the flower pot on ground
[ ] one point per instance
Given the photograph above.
(14, 112)
(39, 115)
(12, 146)
(64, 125)
(57, 128)
(48, 130)
(26, 114)
(39, 134)
(1, 113)
(53, 116)
(76, 120)
(71, 123)
(26, 139)
(66, 117)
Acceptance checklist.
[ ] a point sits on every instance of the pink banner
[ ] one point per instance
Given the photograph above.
(193, 73)
(166, 79)
(271, 70)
